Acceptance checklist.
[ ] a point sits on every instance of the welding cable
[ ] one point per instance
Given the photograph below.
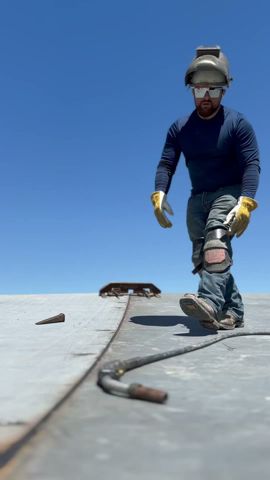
(110, 373)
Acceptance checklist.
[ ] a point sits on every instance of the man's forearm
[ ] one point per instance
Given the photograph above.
(250, 180)
(164, 174)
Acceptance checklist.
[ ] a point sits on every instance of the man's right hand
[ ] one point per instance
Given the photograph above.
(160, 204)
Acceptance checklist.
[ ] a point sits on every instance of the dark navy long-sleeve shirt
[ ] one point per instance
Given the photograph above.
(218, 152)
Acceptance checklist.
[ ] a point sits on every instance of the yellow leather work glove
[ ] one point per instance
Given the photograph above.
(160, 203)
(238, 218)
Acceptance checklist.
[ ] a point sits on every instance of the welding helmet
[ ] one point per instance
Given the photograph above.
(210, 66)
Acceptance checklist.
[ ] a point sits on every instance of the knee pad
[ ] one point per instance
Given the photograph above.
(216, 258)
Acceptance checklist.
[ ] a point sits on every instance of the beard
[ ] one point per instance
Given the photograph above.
(207, 109)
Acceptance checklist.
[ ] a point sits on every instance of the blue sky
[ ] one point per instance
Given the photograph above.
(88, 91)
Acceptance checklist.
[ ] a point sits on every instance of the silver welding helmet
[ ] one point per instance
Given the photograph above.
(210, 66)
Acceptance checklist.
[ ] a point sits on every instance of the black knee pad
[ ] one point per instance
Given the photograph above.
(216, 258)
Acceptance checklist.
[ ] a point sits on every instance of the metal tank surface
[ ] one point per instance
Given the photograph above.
(214, 423)
(44, 355)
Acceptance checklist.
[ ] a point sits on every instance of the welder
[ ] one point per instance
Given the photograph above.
(222, 157)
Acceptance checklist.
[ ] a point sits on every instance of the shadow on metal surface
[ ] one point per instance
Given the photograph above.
(157, 320)
(195, 329)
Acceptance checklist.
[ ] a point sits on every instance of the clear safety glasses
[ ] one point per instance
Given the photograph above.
(200, 92)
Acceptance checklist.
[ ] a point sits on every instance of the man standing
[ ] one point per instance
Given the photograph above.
(222, 157)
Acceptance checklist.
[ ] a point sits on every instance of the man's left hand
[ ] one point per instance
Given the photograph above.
(238, 218)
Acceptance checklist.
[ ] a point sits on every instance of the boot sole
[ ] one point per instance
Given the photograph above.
(194, 309)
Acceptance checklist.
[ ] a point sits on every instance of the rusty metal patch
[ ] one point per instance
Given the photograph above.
(118, 289)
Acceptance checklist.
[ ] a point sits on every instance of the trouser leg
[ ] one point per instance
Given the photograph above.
(233, 300)
(225, 294)
(218, 288)
(221, 292)
(215, 275)
(196, 222)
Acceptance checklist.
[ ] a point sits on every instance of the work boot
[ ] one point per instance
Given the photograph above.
(198, 308)
(228, 321)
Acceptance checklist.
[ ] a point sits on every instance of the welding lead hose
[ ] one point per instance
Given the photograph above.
(110, 373)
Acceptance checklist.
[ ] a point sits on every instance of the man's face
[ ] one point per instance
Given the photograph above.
(207, 98)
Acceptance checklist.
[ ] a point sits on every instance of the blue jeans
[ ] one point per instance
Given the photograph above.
(206, 211)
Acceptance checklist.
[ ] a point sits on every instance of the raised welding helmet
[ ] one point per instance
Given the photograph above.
(210, 65)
